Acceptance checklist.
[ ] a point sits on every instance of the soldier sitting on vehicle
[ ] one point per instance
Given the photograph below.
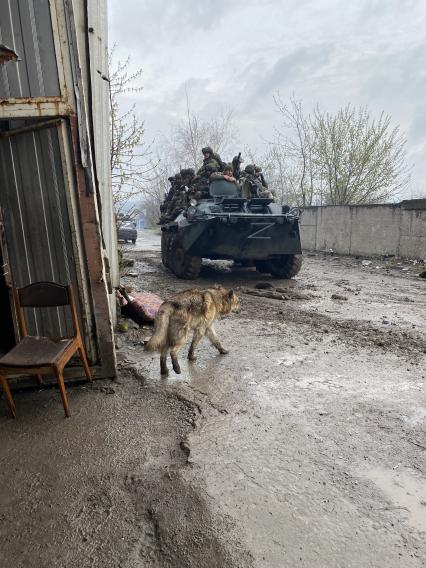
(258, 173)
(178, 192)
(211, 164)
(227, 174)
(251, 184)
(166, 206)
(175, 182)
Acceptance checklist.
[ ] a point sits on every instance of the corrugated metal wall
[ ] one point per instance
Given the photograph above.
(35, 211)
(98, 42)
(25, 26)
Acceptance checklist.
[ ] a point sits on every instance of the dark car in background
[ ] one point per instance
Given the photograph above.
(127, 232)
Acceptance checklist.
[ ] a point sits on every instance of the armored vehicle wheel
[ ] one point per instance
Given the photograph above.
(165, 238)
(286, 266)
(183, 265)
(263, 266)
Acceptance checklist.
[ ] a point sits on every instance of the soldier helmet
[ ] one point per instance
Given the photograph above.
(207, 150)
(187, 173)
(249, 169)
(257, 169)
(228, 168)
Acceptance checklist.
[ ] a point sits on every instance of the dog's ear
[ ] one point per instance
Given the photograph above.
(231, 294)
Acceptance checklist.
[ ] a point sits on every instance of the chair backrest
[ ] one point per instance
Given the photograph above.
(43, 295)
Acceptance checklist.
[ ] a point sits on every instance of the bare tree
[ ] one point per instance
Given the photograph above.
(338, 159)
(362, 160)
(181, 148)
(194, 132)
(157, 188)
(293, 146)
(131, 163)
(281, 174)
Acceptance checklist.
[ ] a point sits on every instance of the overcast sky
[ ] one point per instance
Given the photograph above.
(238, 54)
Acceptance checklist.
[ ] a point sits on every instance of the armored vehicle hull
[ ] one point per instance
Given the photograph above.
(229, 227)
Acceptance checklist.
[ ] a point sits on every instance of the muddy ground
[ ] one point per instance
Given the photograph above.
(305, 446)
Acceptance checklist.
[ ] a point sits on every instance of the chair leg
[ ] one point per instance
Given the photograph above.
(8, 395)
(83, 358)
(60, 379)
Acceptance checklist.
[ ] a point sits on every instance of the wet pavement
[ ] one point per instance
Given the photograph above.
(315, 437)
(305, 446)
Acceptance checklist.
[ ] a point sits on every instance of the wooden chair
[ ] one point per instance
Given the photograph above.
(41, 355)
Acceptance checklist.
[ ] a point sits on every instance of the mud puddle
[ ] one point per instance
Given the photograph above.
(405, 491)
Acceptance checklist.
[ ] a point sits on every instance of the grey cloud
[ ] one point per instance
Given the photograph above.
(417, 130)
(152, 22)
(238, 54)
(261, 82)
(395, 74)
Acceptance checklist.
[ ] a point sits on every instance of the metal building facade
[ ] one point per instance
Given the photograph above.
(55, 194)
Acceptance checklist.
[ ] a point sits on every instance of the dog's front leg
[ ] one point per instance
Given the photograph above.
(195, 341)
(211, 334)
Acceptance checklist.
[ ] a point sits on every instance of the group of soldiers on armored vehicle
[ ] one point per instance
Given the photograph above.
(187, 184)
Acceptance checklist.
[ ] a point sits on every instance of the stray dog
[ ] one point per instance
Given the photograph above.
(191, 310)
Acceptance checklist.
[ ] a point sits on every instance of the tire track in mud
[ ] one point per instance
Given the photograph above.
(352, 332)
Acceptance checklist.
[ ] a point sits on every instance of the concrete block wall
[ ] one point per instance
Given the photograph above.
(367, 230)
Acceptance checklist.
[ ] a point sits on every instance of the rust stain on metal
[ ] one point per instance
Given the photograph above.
(26, 107)
(31, 128)
(93, 247)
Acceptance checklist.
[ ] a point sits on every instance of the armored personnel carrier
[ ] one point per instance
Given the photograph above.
(225, 226)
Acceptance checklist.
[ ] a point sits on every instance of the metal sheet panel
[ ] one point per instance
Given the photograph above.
(38, 236)
(26, 26)
(98, 42)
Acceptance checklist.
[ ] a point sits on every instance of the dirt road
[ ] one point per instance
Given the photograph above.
(305, 446)
(315, 441)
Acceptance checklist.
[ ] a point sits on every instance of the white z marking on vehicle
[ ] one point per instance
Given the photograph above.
(265, 227)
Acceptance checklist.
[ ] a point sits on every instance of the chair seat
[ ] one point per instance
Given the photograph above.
(35, 352)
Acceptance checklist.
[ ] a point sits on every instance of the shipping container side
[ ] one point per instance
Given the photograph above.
(56, 179)
(37, 227)
(25, 26)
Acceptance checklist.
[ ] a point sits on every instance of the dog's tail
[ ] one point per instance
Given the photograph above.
(159, 338)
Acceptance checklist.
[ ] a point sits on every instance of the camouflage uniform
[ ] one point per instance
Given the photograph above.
(227, 175)
(211, 164)
(187, 176)
(251, 185)
(258, 173)
(177, 198)
(167, 205)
